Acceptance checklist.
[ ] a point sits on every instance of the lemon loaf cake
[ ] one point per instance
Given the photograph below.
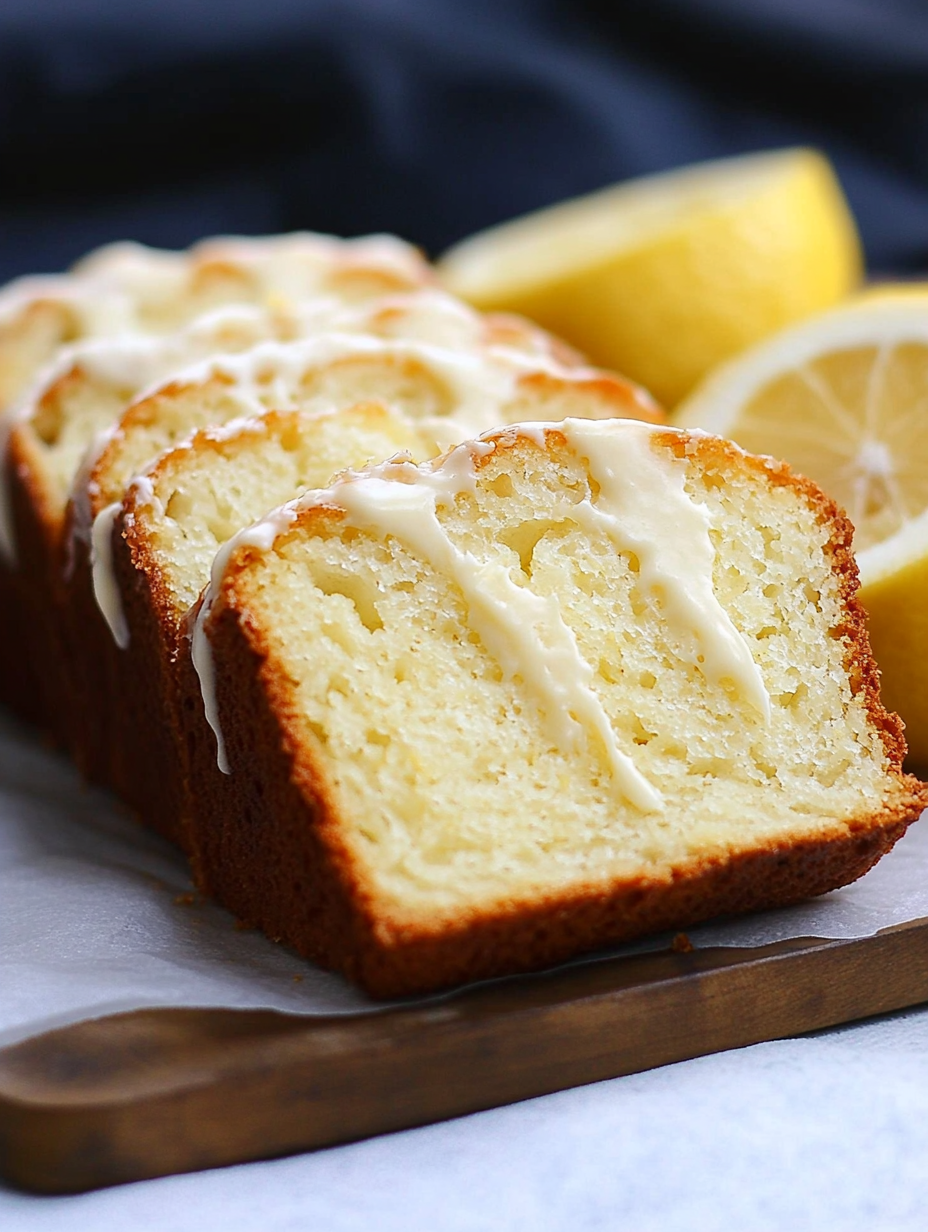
(564, 686)
(85, 392)
(125, 290)
(428, 394)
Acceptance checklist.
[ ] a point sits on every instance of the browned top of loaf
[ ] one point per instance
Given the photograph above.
(586, 392)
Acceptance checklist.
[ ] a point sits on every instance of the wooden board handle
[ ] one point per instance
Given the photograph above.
(154, 1092)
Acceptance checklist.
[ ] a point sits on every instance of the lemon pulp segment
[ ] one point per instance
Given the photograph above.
(855, 421)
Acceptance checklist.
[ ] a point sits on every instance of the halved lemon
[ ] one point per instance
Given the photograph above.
(844, 399)
(664, 277)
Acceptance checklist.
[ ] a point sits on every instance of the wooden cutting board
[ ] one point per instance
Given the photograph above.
(154, 1092)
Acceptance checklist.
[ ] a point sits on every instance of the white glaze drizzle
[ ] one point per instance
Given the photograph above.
(262, 535)
(642, 505)
(644, 508)
(105, 589)
(479, 387)
(525, 633)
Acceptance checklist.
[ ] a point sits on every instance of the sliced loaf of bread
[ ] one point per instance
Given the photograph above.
(128, 288)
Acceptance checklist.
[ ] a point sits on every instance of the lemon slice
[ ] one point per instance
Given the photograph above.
(844, 399)
(665, 277)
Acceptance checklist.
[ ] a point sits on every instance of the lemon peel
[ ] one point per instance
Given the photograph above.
(666, 276)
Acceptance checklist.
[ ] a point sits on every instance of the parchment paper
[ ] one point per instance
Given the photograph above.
(98, 916)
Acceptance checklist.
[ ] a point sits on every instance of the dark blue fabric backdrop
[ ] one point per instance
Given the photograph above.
(164, 120)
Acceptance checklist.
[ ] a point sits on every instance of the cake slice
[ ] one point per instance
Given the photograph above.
(565, 686)
(172, 522)
(154, 543)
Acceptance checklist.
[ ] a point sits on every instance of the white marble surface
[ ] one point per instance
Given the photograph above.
(827, 1131)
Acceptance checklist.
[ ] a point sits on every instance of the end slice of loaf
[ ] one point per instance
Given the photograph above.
(564, 687)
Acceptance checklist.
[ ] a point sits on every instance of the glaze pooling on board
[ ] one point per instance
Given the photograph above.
(526, 633)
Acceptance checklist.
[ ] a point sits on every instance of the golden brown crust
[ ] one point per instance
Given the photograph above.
(557, 928)
(88, 684)
(146, 770)
(32, 596)
(20, 691)
(617, 398)
(56, 623)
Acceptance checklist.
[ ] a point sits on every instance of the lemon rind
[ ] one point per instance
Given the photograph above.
(555, 243)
